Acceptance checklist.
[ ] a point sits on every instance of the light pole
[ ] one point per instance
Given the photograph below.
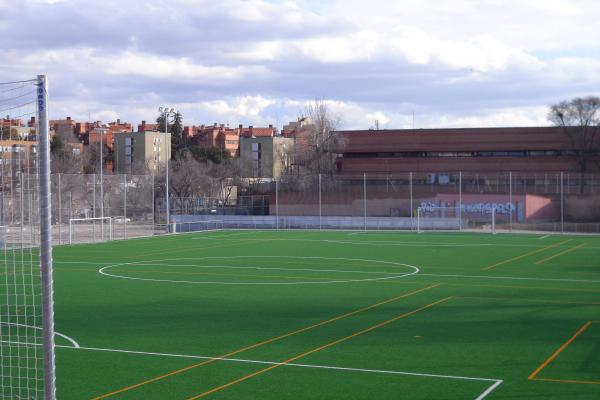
(101, 129)
(165, 111)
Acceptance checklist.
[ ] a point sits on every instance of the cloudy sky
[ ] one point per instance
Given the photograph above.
(450, 63)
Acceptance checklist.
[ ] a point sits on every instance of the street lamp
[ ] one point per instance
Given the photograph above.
(166, 111)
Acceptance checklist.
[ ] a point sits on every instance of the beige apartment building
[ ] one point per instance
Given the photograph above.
(140, 152)
(266, 156)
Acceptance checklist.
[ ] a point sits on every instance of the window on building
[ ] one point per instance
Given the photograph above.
(256, 156)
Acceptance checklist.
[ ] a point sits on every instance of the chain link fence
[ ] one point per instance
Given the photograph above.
(508, 202)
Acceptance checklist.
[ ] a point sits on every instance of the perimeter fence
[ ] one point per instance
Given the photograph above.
(511, 202)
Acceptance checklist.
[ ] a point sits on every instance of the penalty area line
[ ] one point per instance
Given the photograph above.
(494, 382)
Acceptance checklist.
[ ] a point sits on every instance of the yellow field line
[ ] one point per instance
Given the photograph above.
(289, 360)
(302, 330)
(560, 350)
(568, 381)
(562, 253)
(526, 254)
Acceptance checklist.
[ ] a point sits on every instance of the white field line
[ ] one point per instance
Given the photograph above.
(494, 385)
(67, 338)
(386, 243)
(544, 237)
(265, 268)
(415, 270)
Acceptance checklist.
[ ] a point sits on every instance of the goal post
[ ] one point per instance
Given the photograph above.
(90, 230)
(439, 218)
(434, 218)
(27, 367)
(196, 226)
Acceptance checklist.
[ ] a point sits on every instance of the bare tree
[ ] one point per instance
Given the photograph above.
(579, 120)
(316, 147)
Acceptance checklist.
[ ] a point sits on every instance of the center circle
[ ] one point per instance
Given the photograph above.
(260, 270)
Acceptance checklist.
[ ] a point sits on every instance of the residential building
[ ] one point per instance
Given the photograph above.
(220, 136)
(138, 152)
(265, 156)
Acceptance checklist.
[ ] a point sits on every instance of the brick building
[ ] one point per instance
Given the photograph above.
(477, 150)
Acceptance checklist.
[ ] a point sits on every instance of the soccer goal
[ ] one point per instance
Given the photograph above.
(196, 226)
(434, 218)
(90, 230)
(26, 298)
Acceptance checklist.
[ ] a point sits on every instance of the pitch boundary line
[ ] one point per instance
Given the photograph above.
(495, 382)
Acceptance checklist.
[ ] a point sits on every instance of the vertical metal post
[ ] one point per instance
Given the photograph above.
(46, 239)
(562, 203)
(510, 200)
(276, 204)
(101, 185)
(410, 188)
(94, 195)
(59, 212)
(460, 201)
(167, 171)
(125, 203)
(365, 199)
(153, 206)
(320, 206)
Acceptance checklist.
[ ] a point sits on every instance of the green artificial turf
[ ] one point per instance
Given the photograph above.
(479, 307)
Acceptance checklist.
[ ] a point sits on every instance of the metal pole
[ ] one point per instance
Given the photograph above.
(125, 204)
(365, 199)
(410, 188)
(59, 212)
(276, 204)
(510, 200)
(167, 172)
(46, 239)
(320, 206)
(562, 203)
(101, 185)
(94, 195)
(460, 201)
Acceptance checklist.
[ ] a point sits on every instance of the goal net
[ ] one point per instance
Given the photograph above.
(434, 218)
(90, 230)
(26, 304)
(196, 226)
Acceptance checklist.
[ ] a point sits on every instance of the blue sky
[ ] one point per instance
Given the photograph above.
(457, 63)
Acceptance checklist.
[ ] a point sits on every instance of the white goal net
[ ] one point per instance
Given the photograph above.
(26, 305)
(437, 218)
(90, 230)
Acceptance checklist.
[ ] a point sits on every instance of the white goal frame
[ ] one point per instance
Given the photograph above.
(457, 215)
(216, 222)
(101, 219)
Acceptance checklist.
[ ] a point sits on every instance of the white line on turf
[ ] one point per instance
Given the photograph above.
(67, 338)
(495, 382)
(544, 237)
(103, 271)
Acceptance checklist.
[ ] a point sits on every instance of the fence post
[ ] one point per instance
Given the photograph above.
(410, 188)
(320, 206)
(460, 201)
(562, 203)
(365, 199)
(59, 212)
(125, 203)
(510, 200)
(276, 204)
